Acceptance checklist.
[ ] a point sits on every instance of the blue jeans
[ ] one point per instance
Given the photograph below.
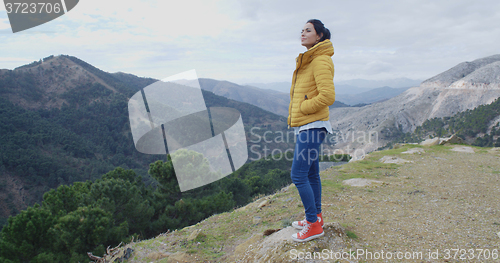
(305, 170)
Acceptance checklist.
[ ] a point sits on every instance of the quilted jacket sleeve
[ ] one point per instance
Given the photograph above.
(323, 71)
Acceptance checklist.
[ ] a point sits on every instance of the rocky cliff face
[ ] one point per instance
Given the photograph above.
(465, 86)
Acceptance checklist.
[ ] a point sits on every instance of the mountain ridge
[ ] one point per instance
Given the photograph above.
(352, 86)
(460, 71)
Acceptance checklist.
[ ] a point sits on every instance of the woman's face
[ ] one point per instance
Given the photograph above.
(309, 37)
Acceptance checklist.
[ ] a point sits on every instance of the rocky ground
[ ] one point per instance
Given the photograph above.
(414, 204)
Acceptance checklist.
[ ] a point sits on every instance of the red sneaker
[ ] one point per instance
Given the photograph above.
(300, 224)
(309, 232)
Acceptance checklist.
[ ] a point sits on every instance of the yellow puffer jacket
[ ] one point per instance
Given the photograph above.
(312, 88)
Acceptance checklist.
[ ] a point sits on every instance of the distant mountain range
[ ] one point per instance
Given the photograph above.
(353, 86)
(370, 96)
(277, 102)
(348, 93)
(463, 87)
(270, 100)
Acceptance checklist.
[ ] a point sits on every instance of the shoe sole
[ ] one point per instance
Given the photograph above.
(309, 238)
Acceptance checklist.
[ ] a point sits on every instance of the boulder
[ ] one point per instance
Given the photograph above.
(263, 203)
(454, 139)
(179, 257)
(414, 150)
(430, 142)
(196, 235)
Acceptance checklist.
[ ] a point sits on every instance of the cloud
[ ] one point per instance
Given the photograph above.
(248, 40)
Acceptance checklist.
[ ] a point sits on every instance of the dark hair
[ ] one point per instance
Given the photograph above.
(320, 29)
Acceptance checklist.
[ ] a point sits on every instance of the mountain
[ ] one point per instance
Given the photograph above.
(281, 87)
(270, 100)
(479, 126)
(348, 93)
(62, 120)
(370, 96)
(371, 84)
(353, 86)
(460, 88)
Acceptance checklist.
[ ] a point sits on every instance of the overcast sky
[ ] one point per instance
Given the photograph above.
(257, 41)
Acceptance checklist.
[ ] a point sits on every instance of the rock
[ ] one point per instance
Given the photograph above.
(357, 158)
(498, 234)
(277, 246)
(179, 257)
(196, 235)
(256, 220)
(263, 203)
(414, 150)
(392, 159)
(465, 149)
(334, 229)
(285, 189)
(452, 139)
(360, 182)
(430, 142)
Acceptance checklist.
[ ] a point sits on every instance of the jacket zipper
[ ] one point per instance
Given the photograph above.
(293, 90)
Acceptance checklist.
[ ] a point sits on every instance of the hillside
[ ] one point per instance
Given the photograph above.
(479, 127)
(418, 203)
(463, 87)
(63, 120)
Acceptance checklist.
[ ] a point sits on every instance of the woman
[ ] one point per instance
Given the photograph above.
(311, 93)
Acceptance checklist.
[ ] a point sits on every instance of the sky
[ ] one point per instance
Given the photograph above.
(252, 41)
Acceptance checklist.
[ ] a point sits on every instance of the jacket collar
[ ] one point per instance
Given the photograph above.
(324, 47)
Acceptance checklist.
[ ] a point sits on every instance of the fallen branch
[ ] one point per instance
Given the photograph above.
(116, 254)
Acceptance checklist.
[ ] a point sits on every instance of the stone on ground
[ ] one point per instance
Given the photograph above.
(360, 182)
